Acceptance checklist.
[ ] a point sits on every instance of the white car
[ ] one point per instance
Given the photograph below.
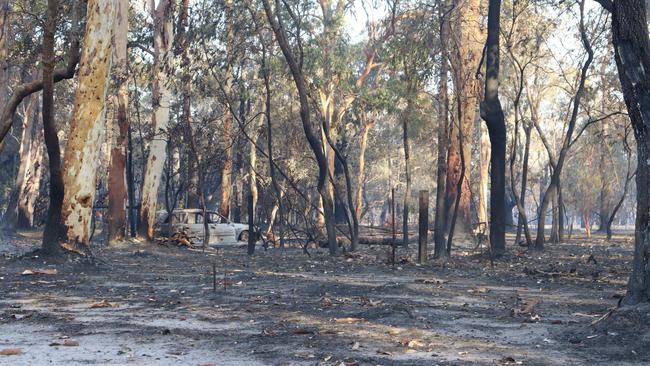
(222, 230)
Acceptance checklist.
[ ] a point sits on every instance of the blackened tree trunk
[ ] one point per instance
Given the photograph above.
(51, 245)
(632, 55)
(440, 248)
(296, 70)
(492, 113)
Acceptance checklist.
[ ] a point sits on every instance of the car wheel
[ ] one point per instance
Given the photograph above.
(243, 236)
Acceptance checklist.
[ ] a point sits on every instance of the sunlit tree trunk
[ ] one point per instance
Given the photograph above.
(19, 205)
(483, 179)
(87, 125)
(468, 45)
(228, 139)
(363, 143)
(116, 176)
(30, 188)
(161, 94)
(521, 200)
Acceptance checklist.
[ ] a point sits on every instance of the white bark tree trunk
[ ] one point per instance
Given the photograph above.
(29, 190)
(87, 126)
(483, 180)
(29, 162)
(163, 37)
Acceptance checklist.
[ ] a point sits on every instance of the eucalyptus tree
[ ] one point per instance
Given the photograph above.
(294, 62)
(117, 172)
(163, 41)
(632, 55)
(87, 126)
(492, 113)
(467, 40)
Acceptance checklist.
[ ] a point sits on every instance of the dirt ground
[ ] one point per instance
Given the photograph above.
(144, 304)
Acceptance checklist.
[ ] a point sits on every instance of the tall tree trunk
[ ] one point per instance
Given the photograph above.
(555, 236)
(4, 66)
(269, 142)
(407, 169)
(161, 103)
(87, 125)
(492, 113)
(521, 200)
(440, 247)
(363, 143)
(228, 139)
(31, 184)
(466, 58)
(312, 138)
(632, 55)
(51, 245)
(483, 180)
(29, 158)
(117, 194)
(560, 212)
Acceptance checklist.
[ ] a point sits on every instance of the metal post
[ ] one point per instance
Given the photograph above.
(423, 224)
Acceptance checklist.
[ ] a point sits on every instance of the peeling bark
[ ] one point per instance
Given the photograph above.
(163, 28)
(468, 39)
(228, 141)
(116, 176)
(87, 126)
(20, 209)
(484, 165)
(363, 143)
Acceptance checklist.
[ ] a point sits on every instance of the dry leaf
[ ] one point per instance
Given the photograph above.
(349, 320)
(412, 343)
(45, 271)
(11, 352)
(70, 343)
(394, 331)
(102, 304)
